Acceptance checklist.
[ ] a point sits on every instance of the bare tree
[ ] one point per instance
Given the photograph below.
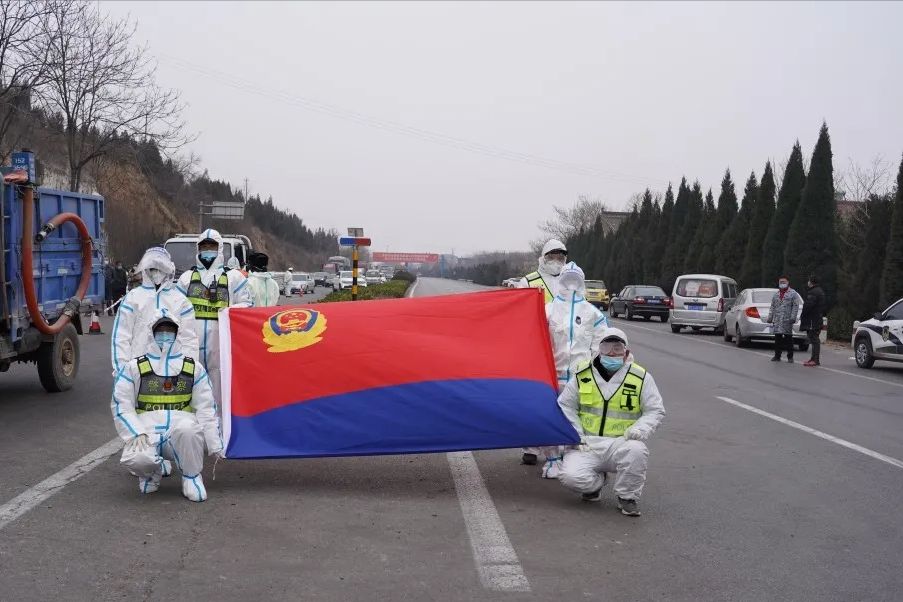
(568, 221)
(105, 88)
(858, 183)
(23, 60)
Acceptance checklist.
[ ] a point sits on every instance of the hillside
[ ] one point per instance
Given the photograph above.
(150, 198)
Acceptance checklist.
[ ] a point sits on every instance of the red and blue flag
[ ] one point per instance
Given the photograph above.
(396, 376)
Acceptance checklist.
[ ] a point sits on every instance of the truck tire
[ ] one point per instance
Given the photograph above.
(58, 361)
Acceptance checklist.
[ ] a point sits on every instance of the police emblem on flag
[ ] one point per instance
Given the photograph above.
(293, 329)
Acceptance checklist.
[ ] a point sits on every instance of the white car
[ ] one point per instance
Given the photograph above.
(880, 338)
(344, 280)
(302, 283)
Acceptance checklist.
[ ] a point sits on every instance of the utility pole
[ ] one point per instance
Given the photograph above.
(246, 190)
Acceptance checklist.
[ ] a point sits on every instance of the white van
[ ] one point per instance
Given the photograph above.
(702, 301)
(183, 248)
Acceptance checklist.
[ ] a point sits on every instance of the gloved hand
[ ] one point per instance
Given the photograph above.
(584, 446)
(219, 453)
(137, 444)
(634, 433)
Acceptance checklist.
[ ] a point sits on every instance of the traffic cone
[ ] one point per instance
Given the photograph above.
(95, 324)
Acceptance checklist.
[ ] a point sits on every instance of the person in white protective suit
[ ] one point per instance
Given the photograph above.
(264, 288)
(287, 283)
(164, 410)
(210, 288)
(156, 292)
(576, 328)
(615, 406)
(551, 262)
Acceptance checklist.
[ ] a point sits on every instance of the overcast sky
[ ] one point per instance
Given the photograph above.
(614, 96)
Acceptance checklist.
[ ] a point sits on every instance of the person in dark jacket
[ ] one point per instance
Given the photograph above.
(811, 317)
(108, 286)
(120, 282)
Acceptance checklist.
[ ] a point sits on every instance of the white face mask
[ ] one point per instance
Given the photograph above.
(553, 266)
(156, 276)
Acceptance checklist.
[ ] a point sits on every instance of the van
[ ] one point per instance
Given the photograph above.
(183, 248)
(702, 301)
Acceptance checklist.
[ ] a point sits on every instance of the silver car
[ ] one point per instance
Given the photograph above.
(701, 301)
(746, 319)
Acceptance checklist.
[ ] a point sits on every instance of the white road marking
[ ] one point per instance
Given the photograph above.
(496, 560)
(723, 346)
(410, 292)
(842, 442)
(33, 496)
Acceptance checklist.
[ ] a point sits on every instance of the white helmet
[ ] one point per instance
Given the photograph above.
(548, 264)
(572, 279)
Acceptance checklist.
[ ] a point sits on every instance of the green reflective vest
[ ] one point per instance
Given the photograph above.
(610, 417)
(208, 302)
(157, 392)
(534, 280)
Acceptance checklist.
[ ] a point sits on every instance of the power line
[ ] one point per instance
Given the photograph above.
(398, 128)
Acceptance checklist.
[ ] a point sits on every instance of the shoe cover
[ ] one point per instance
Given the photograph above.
(193, 488)
(552, 468)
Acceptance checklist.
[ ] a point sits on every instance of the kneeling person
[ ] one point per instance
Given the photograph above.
(615, 405)
(163, 407)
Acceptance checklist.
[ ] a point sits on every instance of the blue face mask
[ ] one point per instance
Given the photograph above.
(782, 286)
(208, 255)
(165, 339)
(612, 364)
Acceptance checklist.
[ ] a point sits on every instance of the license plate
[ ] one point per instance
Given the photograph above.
(653, 301)
(696, 307)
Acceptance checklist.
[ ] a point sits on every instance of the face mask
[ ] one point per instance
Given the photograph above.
(156, 276)
(164, 339)
(553, 266)
(207, 257)
(612, 364)
(782, 286)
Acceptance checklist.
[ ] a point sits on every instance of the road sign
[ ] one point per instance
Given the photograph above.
(406, 257)
(356, 232)
(351, 241)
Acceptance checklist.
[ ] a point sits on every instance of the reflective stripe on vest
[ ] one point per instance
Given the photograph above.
(157, 392)
(208, 302)
(534, 280)
(610, 417)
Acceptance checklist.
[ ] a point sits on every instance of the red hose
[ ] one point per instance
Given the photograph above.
(28, 234)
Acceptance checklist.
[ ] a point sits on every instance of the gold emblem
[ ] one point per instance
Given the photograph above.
(293, 329)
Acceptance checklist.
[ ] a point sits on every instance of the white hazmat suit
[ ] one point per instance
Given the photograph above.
(626, 455)
(226, 286)
(174, 434)
(287, 282)
(156, 293)
(264, 289)
(576, 328)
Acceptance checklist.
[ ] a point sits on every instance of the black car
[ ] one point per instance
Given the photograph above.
(640, 300)
(320, 278)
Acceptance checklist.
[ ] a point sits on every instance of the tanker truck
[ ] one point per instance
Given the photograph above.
(50, 273)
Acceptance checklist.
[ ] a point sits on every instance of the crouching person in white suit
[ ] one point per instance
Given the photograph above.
(163, 407)
(615, 405)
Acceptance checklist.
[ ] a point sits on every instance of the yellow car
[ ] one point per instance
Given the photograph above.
(597, 293)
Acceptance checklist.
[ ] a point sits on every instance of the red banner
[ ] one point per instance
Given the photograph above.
(406, 257)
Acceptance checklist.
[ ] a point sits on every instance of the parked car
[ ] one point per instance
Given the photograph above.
(597, 293)
(374, 277)
(344, 280)
(746, 319)
(321, 278)
(640, 300)
(701, 301)
(879, 338)
(302, 283)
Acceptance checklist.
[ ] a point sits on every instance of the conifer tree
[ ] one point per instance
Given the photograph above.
(763, 213)
(892, 276)
(788, 201)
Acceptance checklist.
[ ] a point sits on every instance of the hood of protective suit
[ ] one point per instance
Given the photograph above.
(215, 236)
(233, 264)
(261, 276)
(150, 345)
(154, 265)
(547, 266)
(571, 281)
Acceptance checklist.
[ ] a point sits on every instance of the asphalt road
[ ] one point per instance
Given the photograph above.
(738, 506)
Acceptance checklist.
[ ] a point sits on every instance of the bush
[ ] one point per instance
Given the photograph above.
(393, 289)
(840, 324)
(405, 276)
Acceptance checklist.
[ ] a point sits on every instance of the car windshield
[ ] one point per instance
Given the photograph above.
(697, 287)
(595, 284)
(184, 253)
(649, 291)
(346, 274)
(763, 296)
(320, 274)
(300, 277)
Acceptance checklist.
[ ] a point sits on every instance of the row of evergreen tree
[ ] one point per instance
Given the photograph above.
(758, 240)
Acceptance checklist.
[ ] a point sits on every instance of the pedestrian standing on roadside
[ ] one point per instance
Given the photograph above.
(785, 308)
(812, 318)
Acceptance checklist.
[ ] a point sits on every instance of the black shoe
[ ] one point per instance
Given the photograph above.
(528, 459)
(629, 507)
(776, 358)
(595, 496)
(790, 359)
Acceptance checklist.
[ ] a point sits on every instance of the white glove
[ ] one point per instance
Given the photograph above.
(584, 446)
(137, 444)
(633, 433)
(219, 453)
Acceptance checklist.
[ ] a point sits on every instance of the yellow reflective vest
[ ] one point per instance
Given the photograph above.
(157, 392)
(534, 280)
(208, 302)
(610, 417)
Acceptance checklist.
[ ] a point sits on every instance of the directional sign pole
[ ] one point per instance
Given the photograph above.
(354, 242)
(354, 273)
